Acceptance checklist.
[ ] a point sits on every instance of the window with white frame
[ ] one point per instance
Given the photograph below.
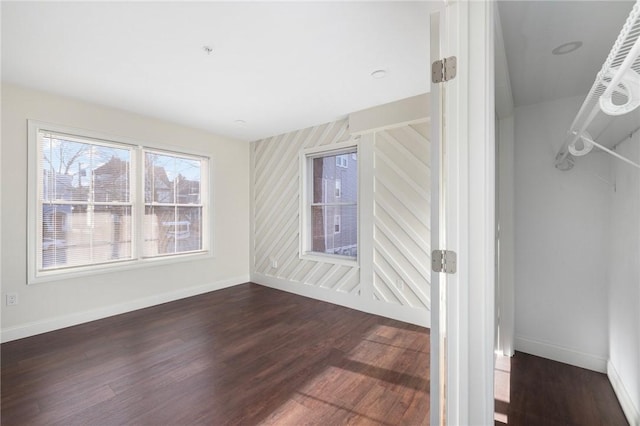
(342, 161)
(98, 203)
(330, 224)
(173, 204)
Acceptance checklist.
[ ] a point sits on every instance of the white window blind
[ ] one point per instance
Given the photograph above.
(84, 203)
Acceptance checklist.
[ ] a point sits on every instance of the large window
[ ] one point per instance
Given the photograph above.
(98, 203)
(330, 224)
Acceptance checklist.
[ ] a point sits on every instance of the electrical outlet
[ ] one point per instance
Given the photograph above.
(12, 299)
(274, 263)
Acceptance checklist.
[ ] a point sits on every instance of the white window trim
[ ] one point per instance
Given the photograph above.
(306, 182)
(204, 189)
(137, 194)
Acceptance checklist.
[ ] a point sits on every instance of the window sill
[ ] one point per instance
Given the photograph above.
(117, 267)
(331, 258)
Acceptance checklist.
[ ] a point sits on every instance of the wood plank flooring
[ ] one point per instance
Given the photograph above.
(245, 355)
(251, 355)
(530, 390)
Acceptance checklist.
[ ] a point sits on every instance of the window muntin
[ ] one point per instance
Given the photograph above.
(332, 204)
(90, 207)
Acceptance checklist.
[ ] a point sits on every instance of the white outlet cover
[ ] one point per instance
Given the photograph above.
(11, 299)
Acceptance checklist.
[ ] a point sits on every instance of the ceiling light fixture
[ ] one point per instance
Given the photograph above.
(563, 49)
(240, 122)
(378, 74)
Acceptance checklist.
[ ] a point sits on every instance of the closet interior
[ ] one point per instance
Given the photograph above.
(574, 158)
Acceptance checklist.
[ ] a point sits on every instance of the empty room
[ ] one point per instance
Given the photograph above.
(327, 213)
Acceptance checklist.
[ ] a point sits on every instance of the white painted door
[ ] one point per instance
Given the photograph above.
(463, 215)
(438, 238)
(462, 315)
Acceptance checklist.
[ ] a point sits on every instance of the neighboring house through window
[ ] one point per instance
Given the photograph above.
(173, 201)
(330, 224)
(92, 206)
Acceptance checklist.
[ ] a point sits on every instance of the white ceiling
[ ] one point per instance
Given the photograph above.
(277, 66)
(532, 29)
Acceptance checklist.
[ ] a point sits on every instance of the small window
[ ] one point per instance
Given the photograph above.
(330, 224)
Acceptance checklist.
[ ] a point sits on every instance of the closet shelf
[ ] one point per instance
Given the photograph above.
(615, 92)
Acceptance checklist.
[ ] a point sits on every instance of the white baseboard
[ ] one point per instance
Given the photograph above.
(561, 354)
(51, 324)
(421, 317)
(630, 410)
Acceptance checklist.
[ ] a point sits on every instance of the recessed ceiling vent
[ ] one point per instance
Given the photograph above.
(563, 49)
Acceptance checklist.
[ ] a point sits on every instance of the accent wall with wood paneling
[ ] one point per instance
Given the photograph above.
(391, 277)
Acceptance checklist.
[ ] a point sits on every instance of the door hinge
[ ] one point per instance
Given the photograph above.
(444, 261)
(444, 69)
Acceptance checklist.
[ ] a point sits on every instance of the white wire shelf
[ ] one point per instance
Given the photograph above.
(615, 91)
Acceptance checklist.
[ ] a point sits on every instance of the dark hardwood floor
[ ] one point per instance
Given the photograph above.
(244, 355)
(252, 355)
(530, 390)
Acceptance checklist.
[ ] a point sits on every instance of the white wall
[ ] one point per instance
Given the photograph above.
(505, 250)
(505, 238)
(561, 242)
(624, 292)
(394, 230)
(47, 306)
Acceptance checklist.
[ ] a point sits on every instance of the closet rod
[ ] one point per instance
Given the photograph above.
(615, 154)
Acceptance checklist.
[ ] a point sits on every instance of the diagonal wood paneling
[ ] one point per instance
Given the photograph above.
(276, 209)
(402, 192)
(401, 182)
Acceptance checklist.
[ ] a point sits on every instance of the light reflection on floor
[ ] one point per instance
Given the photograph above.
(502, 389)
(364, 385)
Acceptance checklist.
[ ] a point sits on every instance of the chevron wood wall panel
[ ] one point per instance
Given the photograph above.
(401, 216)
(276, 210)
(401, 181)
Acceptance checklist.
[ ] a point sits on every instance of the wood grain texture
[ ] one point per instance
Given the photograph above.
(251, 355)
(244, 355)
(530, 390)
